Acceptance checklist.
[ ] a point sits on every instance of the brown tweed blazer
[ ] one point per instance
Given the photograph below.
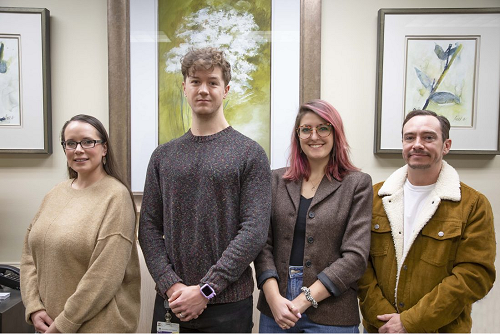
(337, 242)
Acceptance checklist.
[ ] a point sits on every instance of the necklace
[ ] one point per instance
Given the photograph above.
(314, 186)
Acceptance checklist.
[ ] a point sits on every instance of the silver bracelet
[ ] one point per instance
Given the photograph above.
(309, 298)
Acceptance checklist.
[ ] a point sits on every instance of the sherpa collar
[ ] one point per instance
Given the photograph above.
(447, 184)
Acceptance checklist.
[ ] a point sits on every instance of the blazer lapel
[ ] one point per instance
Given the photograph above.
(293, 188)
(325, 188)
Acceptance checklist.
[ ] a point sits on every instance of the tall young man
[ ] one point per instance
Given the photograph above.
(433, 244)
(205, 210)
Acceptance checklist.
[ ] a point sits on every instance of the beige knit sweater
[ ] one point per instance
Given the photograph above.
(80, 260)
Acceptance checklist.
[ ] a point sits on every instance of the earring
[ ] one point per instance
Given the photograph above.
(103, 160)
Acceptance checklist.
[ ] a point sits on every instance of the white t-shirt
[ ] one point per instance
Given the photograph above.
(414, 198)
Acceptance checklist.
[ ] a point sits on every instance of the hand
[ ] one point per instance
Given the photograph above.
(301, 302)
(53, 329)
(285, 313)
(174, 288)
(188, 303)
(41, 321)
(393, 323)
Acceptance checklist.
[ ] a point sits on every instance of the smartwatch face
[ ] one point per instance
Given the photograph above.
(207, 291)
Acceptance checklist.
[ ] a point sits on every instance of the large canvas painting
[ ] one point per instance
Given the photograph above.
(242, 30)
(10, 80)
(441, 76)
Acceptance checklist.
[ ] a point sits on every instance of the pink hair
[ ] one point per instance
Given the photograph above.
(339, 164)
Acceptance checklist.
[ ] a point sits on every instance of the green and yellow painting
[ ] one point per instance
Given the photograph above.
(242, 30)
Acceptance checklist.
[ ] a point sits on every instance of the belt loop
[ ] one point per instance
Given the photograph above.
(295, 271)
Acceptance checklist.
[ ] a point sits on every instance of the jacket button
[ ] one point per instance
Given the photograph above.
(310, 240)
(377, 226)
(311, 214)
(308, 264)
(440, 233)
(405, 267)
(401, 304)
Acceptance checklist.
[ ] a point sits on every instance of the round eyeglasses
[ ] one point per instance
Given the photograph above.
(306, 131)
(86, 143)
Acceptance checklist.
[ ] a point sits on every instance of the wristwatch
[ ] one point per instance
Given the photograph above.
(207, 291)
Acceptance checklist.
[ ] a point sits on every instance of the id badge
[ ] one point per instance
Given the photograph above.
(167, 327)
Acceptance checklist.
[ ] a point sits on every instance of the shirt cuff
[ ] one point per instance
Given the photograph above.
(332, 288)
(265, 276)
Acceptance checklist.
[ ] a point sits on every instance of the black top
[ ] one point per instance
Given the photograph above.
(299, 234)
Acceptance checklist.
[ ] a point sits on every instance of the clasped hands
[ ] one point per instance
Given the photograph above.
(286, 313)
(43, 323)
(186, 302)
(393, 323)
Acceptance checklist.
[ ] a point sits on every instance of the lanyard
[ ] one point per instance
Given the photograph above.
(168, 316)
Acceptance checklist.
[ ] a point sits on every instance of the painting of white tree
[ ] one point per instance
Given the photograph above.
(242, 30)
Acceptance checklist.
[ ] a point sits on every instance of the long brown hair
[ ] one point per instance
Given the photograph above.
(110, 165)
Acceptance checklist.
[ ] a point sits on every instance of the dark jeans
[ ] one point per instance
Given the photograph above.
(217, 318)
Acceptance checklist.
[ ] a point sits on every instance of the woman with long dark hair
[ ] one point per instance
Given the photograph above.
(319, 236)
(80, 267)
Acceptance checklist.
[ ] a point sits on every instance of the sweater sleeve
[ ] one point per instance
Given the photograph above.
(472, 275)
(107, 266)
(151, 230)
(255, 210)
(29, 279)
(265, 267)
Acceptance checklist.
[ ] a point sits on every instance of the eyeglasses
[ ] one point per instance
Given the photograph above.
(306, 131)
(86, 143)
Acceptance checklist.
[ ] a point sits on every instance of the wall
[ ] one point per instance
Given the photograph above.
(349, 44)
(79, 68)
(348, 59)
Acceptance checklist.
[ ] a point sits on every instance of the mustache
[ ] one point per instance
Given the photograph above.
(417, 152)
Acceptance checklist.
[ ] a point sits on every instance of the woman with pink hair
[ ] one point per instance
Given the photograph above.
(319, 237)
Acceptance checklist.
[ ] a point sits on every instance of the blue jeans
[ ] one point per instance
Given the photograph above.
(304, 325)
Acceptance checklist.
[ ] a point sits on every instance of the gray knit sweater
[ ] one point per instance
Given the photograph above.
(205, 212)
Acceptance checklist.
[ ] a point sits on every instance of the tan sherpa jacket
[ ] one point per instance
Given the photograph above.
(448, 266)
(80, 260)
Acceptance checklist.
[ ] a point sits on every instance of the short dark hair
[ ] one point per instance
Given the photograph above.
(445, 124)
(205, 59)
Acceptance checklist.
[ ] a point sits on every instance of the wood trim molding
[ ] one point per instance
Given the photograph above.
(119, 83)
(310, 50)
(119, 70)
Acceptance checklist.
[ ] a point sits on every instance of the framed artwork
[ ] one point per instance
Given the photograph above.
(244, 33)
(139, 127)
(25, 105)
(444, 60)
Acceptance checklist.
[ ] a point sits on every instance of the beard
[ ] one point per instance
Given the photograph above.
(417, 166)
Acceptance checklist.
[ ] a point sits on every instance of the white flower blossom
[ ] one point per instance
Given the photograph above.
(229, 30)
